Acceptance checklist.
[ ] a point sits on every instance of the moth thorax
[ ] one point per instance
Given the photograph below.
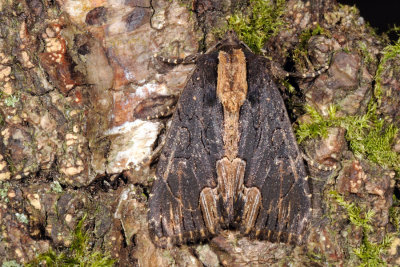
(231, 91)
(232, 83)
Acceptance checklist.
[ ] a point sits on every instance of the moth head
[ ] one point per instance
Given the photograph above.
(230, 41)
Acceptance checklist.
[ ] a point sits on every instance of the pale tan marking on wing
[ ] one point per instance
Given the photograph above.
(208, 206)
(251, 208)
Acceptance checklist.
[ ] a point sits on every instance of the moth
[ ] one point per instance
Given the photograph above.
(230, 159)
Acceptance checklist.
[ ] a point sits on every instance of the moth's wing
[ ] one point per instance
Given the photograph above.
(188, 160)
(274, 164)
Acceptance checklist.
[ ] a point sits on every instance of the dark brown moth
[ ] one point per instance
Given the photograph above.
(231, 159)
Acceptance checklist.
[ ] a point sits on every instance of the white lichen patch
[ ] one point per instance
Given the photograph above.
(21, 217)
(123, 197)
(150, 89)
(77, 10)
(132, 142)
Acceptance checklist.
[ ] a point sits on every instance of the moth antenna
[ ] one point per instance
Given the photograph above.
(247, 47)
(177, 61)
(170, 110)
(308, 75)
(279, 73)
(312, 74)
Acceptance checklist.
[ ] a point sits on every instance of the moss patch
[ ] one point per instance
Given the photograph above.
(366, 134)
(371, 137)
(79, 254)
(389, 52)
(259, 22)
(394, 213)
(369, 253)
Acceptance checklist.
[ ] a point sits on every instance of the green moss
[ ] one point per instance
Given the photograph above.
(318, 126)
(394, 213)
(368, 58)
(357, 216)
(318, 258)
(79, 254)
(350, 9)
(347, 50)
(291, 89)
(258, 23)
(307, 34)
(369, 253)
(366, 134)
(389, 52)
